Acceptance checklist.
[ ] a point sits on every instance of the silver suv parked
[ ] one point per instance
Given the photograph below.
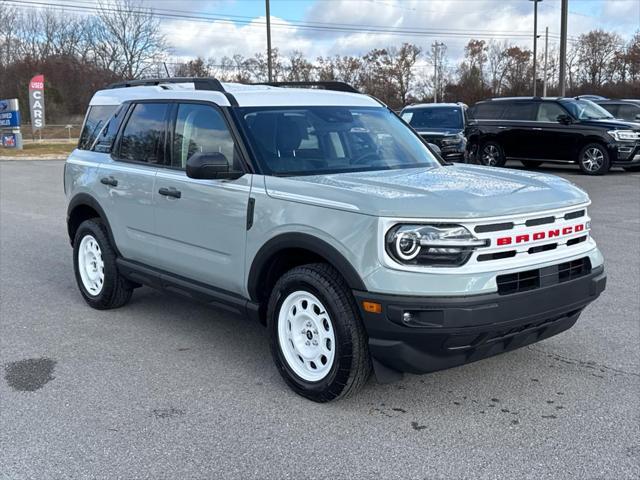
(323, 215)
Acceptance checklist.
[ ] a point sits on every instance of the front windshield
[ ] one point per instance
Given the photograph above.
(586, 110)
(433, 117)
(320, 139)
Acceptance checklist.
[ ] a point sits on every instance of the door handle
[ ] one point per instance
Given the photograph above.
(170, 192)
(536, 128)
(501, 128)
(112, 182)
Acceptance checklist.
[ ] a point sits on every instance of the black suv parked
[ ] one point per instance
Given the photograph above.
(627, 110)
(442, 124)
(535, 130)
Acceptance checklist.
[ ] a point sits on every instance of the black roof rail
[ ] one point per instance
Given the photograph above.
(199, 83)
(323, 85)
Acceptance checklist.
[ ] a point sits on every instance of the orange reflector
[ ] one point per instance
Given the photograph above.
(372, 307)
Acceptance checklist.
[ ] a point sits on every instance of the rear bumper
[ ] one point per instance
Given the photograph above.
(450, 331)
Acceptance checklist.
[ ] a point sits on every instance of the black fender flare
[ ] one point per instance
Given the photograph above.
(302, 241)
(84, 199)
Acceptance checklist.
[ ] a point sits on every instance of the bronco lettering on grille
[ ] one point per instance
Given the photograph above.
(541, 235)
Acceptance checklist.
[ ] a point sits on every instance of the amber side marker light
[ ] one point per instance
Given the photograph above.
(372, 307)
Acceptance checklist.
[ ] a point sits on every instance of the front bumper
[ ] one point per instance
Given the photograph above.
(452, 331)
(625, 153)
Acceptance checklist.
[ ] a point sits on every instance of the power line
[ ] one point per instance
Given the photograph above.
(252, 22)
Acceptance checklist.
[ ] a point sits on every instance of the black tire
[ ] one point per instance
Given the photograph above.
(532, 164)
(491, 154)
(116, 290)
(594, 159)
(351, 364)
(635, 168)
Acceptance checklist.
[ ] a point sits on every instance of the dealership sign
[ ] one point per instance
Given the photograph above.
(9, 113)
(36, 102)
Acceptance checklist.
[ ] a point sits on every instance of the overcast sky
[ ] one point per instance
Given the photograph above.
(240, 25)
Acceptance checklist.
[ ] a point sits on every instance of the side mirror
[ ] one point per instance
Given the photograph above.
(435, 148)
(638, 118)
(564, 119)
(210, 166)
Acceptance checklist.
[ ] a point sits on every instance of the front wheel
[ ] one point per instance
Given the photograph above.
(492, 155)
(594, 159)
(317, 339)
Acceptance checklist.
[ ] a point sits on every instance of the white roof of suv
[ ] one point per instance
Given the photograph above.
(245, 95)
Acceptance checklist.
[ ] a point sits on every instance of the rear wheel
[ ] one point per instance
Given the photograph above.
(594, 159)
(532, 164)
(492, 155)
(317, 339)
(94, 262)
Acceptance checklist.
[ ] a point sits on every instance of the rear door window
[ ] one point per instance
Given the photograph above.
(144, 134)
(97, 115)
(520, 111)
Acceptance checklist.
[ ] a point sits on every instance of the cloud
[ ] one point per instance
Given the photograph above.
(453, 22)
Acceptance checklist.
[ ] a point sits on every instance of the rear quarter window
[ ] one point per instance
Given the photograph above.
(488, 111)
(96, 116)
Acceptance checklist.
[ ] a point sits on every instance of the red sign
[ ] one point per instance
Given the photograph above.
(37, 83)
(541, 235)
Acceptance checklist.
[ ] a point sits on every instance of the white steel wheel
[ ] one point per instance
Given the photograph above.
(306, 336)
(91, 265)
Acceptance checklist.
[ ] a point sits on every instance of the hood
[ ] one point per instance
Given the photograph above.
(612, 124)
(448, 192)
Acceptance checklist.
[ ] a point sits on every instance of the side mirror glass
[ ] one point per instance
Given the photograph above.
(564, 119)
(210, 166)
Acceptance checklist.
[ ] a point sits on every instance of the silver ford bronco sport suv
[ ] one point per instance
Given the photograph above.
(320, 213)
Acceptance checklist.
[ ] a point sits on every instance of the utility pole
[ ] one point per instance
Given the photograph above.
(563, 45)
(437, 66)
(269, 75)
(435, 73)
(546, 50)
(535, 44)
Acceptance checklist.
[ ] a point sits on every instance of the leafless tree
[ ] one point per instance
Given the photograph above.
(129, 39)
(497, 62)
(299, 68)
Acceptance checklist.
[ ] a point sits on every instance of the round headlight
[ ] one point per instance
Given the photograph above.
(407, 245)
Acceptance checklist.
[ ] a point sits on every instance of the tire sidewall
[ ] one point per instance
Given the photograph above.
(501, 160)
(605, 163)
(91, 227)
(340, 370)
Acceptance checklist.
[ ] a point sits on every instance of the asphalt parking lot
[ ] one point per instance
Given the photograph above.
(166, 388)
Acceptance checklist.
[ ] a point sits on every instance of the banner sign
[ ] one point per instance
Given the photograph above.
(9, 113)
(36, 102)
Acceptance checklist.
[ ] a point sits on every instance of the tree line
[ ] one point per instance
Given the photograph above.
(81, 54)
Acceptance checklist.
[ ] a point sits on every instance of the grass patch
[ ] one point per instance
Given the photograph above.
(35, 150)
